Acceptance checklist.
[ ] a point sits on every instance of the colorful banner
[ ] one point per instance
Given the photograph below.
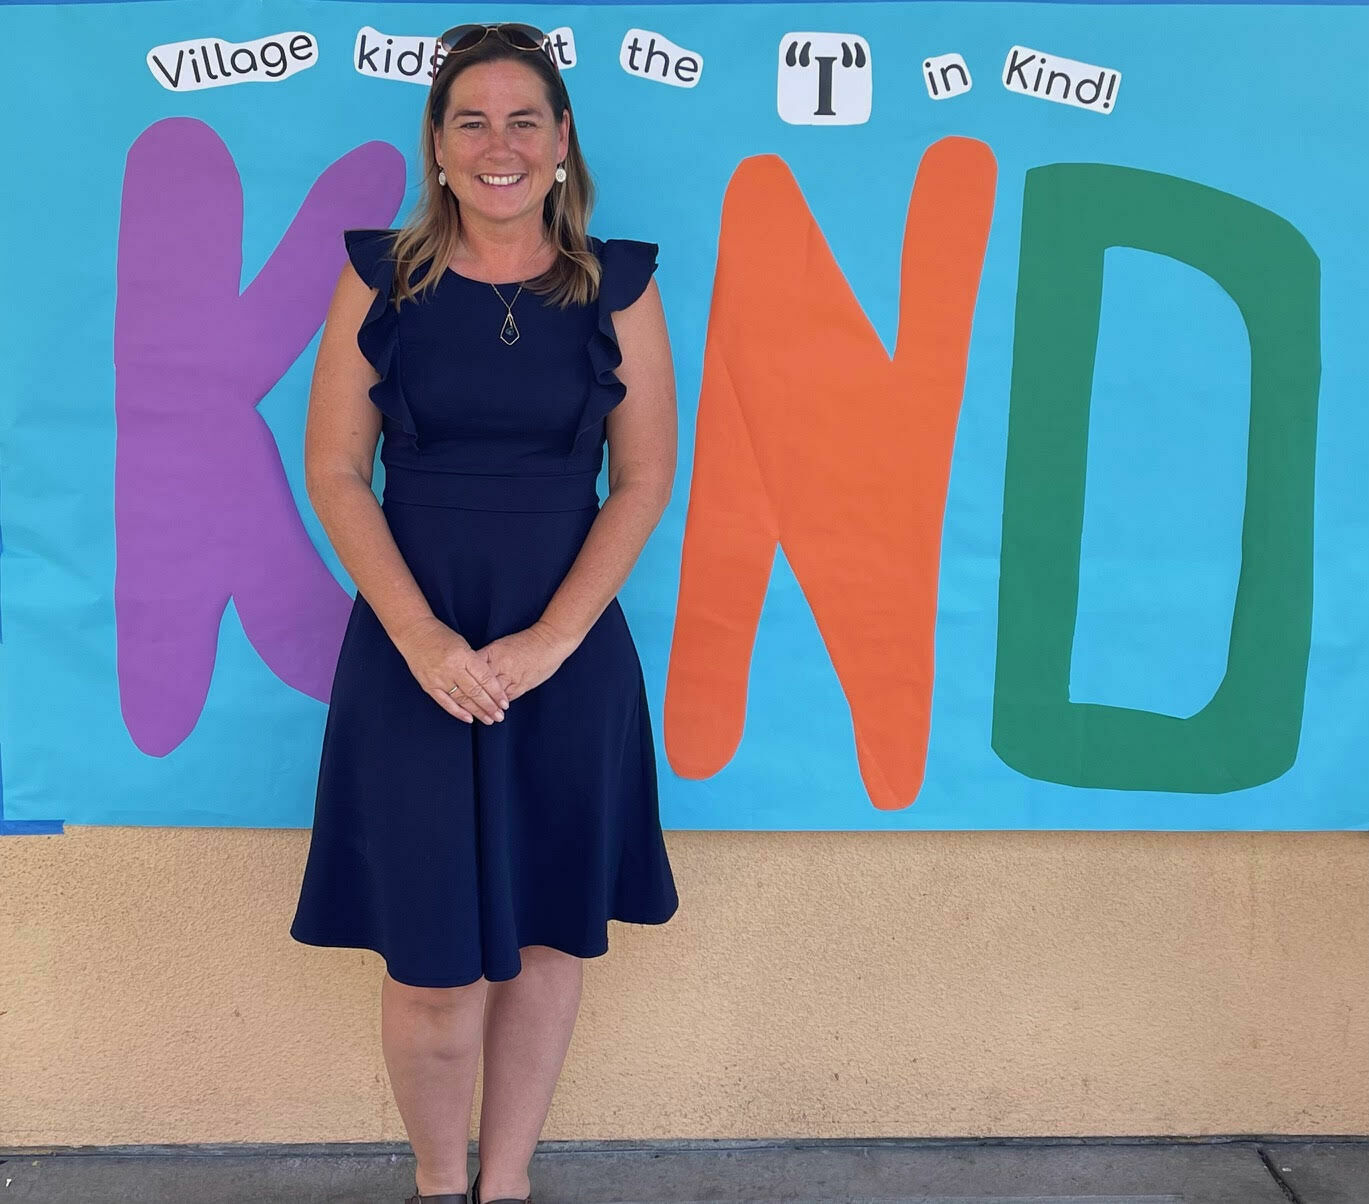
(1023, 391)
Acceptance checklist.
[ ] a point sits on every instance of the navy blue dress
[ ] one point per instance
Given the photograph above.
(446, 846)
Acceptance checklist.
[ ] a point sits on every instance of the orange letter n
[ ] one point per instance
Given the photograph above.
(810, 437)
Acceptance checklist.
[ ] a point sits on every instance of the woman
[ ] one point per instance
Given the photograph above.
(487, 786)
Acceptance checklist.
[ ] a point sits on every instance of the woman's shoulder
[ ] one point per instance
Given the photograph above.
(370, 253)
(624, 250)
(628, 264)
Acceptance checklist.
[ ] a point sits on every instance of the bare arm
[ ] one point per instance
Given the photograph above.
(642, 440)
(340, 438)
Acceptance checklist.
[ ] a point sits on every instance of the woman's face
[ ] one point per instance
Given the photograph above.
(498, 125)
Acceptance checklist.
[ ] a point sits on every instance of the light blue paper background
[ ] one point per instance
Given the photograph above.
(1267, 102)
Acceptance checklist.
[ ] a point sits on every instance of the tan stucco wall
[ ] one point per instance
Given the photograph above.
(813, 984)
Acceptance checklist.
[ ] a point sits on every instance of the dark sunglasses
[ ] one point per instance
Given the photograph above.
(460, 38)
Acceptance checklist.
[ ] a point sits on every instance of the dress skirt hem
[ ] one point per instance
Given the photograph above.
(420, 980)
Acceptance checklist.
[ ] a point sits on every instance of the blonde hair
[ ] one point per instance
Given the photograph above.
(432, 233)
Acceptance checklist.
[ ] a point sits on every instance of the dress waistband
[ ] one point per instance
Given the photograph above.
(511, 492)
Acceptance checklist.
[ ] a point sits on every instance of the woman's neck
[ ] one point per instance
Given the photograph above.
(498, 254)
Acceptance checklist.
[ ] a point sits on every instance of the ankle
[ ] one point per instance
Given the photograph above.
(504, 1186)
(441, 1184)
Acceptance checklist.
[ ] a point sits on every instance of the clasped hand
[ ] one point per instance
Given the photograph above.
(467, 681)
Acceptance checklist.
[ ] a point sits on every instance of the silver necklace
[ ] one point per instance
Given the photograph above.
(508, 333)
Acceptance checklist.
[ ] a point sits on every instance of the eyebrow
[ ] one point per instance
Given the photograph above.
(480, 113)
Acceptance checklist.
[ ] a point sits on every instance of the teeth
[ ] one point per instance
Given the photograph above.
(501, 179)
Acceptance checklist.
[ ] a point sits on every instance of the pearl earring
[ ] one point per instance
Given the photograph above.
(442, 177)
(560, 175)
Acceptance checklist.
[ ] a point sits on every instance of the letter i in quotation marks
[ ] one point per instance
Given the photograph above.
(824, 79)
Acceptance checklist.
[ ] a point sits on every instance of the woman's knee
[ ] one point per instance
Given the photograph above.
(436, 999)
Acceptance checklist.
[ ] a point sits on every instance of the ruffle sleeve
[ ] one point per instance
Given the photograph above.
(378, 337)
(627, 266)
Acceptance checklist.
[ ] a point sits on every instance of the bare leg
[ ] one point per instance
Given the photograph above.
(528, 1026)
(431, 1041)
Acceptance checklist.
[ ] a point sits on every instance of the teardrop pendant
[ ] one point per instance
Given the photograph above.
(508, 334)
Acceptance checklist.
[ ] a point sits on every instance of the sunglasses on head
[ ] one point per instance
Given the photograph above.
(460, 38)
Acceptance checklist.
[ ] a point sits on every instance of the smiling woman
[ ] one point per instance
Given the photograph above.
(503, 158)
(514, 148)
(493, 347)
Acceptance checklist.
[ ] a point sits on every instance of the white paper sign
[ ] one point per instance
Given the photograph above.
(946, 75)
(213, 63)
(655, 57)
(824, 79)
(1065, 81)
(395, 56)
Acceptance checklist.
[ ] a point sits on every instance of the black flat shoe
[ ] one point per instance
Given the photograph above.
(475, 1195)
(451, 1197)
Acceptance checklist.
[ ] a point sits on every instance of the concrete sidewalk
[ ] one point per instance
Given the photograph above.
(1248, 1170)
